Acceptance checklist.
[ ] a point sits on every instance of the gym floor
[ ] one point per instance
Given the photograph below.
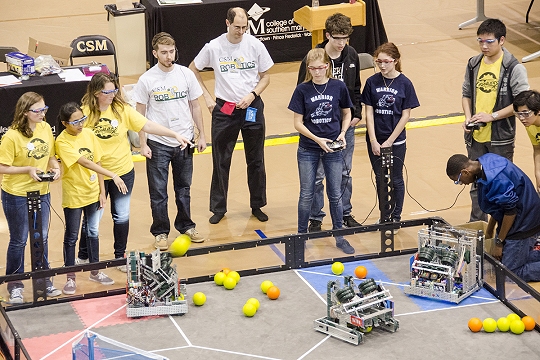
(434, 54)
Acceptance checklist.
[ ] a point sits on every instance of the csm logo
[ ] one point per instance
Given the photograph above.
(255, 13)
(92, 45)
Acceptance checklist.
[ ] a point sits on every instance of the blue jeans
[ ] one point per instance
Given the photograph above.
(398, 153)
(120, 215)
(16, 213)
(157, 171)
(317, 212)
(519, 256)
(308, 161)
(92, 215)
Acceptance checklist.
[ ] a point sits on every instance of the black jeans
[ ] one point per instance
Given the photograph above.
(225, 130)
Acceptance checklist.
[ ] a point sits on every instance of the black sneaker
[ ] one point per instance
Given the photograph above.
(216, 218)
(314, 225)
(348, 221)
(259, 215)
(344, 246)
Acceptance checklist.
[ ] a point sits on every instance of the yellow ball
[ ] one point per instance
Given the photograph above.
(517, 327)
(229, 283)
(254, 302)
(199, 298)
(249, 309)
(512, 317)
(219, 278)
(490, 325)
(265, 285)
(235, 275)
(503, 324)
(180, 245)
(337, 268)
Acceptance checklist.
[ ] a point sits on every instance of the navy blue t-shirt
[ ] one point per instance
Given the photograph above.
(321, 113)
(388, 103)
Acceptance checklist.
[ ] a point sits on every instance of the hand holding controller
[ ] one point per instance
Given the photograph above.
(475, 125)
(48, 176)
(335, 145)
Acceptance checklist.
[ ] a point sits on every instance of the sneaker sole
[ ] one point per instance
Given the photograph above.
(162, 247)
(102, 283)
(68, 292)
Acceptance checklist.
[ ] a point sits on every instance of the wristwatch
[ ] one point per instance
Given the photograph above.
(498, 241)
(495, 115)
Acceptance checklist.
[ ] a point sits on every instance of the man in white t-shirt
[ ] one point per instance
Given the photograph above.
(241, 63)
(168, 95)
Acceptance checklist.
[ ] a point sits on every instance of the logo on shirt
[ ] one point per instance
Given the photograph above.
(165, 94)
(386, 101)
(323, 109)
(37, 149)
(87, 153)
(487, 83)
(232, 64)
(104, 129)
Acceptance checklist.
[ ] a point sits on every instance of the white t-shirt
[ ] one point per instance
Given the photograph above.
(166, 96)
(236, 66)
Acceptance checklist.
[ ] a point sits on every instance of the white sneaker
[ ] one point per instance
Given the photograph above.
(161, 242)
(16, 296)
(53, 292)
(194, 235)
(122, 268)
(79, 261)
(69, 288)
(101, 278)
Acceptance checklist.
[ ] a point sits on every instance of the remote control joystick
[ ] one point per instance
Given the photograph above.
(48, 176)
(335, 145)
(475, 125)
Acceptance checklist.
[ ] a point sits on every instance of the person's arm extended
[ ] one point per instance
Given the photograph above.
(196, 113)
(100, 170)
(156, 129)
(145, 150)
(405, 115)
(208, 99)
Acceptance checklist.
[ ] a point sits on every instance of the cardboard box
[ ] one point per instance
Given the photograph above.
(20, 64)
(479, 225)
(59, 53)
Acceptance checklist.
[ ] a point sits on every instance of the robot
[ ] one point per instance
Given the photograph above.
(353, 311)
(152, 285)
(447, 266)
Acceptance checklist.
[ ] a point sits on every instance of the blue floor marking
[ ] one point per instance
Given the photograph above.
(272, 246)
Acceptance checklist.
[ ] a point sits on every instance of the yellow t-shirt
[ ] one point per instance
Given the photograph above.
(18, 150)
(112, 135)
(487, 86)
(534, 134)
(80, 185)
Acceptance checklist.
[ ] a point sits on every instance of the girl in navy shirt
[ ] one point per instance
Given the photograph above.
(322, 114)
(389, 97)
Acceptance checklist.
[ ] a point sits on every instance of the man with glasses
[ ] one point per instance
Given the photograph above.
(492, 80)
(508, 195)
(241, 63)
(168, 95)
(345, 67)
(527, 110)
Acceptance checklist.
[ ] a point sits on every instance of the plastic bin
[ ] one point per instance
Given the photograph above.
(127, 31)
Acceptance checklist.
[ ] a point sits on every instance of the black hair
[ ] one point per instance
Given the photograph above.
(492, 26)
(67, 110)
(455, 164)
(528, 98)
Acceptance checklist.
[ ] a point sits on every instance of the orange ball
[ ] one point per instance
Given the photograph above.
(360, 272)
(529, 322)
(273, 293)
(226, 271)
(475, 324)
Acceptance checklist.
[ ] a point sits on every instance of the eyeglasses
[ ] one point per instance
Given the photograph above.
(340, 38)
(458, 181)
(77, 122)
(385, 62)
(43, 110)
(313, 68)
(486, 41)
(108, 92)
(523, 114)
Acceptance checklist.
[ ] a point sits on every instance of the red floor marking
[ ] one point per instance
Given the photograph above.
(93, 310)
(38, 347)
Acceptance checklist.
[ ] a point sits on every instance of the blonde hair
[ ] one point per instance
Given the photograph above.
(90, 100)
(317, 54)
(20, 120)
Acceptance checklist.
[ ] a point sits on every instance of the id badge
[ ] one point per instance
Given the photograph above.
(228, 108)
(251, 114)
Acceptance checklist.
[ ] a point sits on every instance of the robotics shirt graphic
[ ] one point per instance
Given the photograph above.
(487, 83)
(37, 149)
(323, 109)
(87, 153)
(106, 128)
(386, 101)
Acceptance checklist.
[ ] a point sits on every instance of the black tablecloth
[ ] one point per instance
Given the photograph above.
(54, 90)
(194, 25)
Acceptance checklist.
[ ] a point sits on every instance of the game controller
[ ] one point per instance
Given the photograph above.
(475, 125)
(335, 145)
(48, 176)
